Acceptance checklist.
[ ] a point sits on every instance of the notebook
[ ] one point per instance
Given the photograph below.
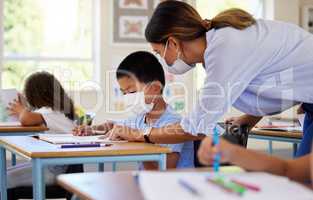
(71, 139)
(166, 186)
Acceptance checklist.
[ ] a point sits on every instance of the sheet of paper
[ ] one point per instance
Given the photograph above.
(10, 124)
(165, 186)
(301, 119)
(7, 96)
(70, 139)
(287, 129)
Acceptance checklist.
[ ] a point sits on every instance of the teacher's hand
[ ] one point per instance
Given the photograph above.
(249, 120)
(207, 151)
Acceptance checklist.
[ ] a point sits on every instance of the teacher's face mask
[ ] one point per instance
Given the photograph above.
(179, 66)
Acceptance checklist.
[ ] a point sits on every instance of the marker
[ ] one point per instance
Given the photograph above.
(188, 187)
(65, 146)
(246, 185)
(228, 186)
(217, 156)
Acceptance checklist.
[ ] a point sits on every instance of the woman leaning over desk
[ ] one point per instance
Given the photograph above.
(261, 67)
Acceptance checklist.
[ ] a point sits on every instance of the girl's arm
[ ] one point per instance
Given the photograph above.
(26, 117)
(298, 169)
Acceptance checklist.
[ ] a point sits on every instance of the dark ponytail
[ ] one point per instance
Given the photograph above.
(180, 20)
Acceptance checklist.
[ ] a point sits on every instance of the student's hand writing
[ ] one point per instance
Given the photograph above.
(83, 130)
(125, 133)
(16, 107)
(207, 151)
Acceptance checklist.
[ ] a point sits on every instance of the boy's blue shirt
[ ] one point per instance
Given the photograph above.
(168, 117)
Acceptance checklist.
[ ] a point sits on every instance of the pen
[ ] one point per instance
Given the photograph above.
(217, 156)
(65, 146)
(188, 187)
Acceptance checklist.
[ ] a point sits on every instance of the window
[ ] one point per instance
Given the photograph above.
(54, 35)
(210, 8)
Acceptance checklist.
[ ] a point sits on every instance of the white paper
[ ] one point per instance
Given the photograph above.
(71, 139)
(165, 186)
(10, 124)
(287, 129)
(7, 96)
(301, 119)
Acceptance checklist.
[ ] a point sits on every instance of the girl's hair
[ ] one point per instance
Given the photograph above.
(180, 20)
(42, 89)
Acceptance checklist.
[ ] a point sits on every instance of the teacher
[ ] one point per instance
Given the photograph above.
(260, 67)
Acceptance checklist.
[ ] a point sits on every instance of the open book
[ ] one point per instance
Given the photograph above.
(7, 96)
(71, 139)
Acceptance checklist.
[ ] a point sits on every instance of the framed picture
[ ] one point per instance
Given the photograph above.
(307, 18)
(132, 27)
(130, 18)
(133, 4)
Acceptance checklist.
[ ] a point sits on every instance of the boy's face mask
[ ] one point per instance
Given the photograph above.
(135, 102)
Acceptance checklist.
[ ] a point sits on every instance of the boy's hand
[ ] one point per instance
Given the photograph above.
(125, 133)
(15, 108)
(83, 130)
(207, 151)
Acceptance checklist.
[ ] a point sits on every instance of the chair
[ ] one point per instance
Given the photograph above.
(234, 134)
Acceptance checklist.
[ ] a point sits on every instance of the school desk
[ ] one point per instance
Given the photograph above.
(19, 131)
(42, 154)
(117, 186)
(279, 136)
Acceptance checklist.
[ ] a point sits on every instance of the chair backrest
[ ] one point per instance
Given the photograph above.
(234, 134)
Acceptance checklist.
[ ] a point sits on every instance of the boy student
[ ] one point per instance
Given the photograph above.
(141, 80)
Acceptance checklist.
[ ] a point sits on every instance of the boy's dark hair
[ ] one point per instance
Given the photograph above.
(143, 65)
(42, 89)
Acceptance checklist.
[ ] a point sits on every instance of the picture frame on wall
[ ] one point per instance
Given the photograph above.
(132, 27)
(307, 18)
(130, 18)
(133, 4)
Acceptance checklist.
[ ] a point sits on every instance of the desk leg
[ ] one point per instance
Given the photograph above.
(270, 147)
(13, 159)
(162, 162)
(3, 174)
(101, 167)
(114, 166)
(295, 149)
(38, 180)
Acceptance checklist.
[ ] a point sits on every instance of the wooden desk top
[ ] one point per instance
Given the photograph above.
(287, 134)
(15, 129)
(35, 148)
(110, 185)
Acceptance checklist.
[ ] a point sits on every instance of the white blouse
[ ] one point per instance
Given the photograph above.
(264, 69)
